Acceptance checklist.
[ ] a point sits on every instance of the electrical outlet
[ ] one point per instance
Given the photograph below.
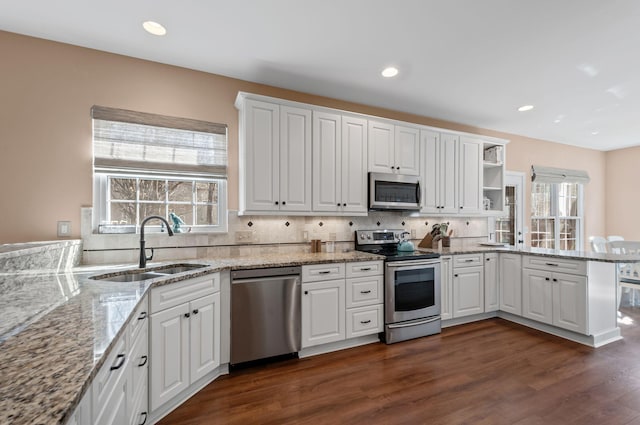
(413, 233)
(305, 235)
(244, 236)
(64, 229)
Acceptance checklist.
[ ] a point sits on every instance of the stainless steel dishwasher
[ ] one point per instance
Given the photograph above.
(265, 313)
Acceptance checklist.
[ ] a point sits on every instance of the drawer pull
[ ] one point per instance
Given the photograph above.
(195, 311)
(368, 291)
(187, 315)
(364, 322)
(365, 269)
(324, 272)
(552, 264)
(119, 362)
(470, 260)
(142, 316)
(144, 361)
(144, 421)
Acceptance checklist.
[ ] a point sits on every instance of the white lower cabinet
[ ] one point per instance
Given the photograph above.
(119, 389)
(510, 283)
(491, 296)
(468, 285)
(558, 299)
(185, 338)
(339, 308)
(323, 312)
(446, 286)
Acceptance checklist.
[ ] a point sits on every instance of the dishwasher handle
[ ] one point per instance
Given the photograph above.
(266, 279)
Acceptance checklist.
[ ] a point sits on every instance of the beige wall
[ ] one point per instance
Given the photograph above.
(622, 198)
(48, 89)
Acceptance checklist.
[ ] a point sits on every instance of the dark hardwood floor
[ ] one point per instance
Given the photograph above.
(489, 372)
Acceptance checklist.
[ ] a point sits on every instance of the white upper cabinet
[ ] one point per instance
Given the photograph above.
(275, 158)
(339, 163)
(295, 159)
(354, 164)
(439, 172)
(470, 176)
(393, 149)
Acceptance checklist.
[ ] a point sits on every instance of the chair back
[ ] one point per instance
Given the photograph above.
(598, 244)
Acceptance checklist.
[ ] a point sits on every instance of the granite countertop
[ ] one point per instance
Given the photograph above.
(553, 253)
(56, 329)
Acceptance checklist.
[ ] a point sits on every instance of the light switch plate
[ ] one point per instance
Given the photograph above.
(64, 229)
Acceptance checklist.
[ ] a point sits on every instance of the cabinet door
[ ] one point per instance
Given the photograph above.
(448, 173)
(169, 354)
(491, 298)
(205, 340)
(470, 175)
(446, 286)
(354, 165)
(261, 153)
(537, 295)
(510, 286)
(407, 151)
(327, 156)
(430, 171)
(381, 147)
(323, 312)
(570, 302)
(115, 408)
(468, 291)
(138, 389)
(295, 159)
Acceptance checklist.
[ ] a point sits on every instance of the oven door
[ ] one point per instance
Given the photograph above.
(412, 290)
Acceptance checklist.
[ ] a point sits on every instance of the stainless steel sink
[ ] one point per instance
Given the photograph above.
(179, 268)
(149, 274)
(129, 277)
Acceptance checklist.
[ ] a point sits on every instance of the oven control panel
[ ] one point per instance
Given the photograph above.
(378, 236)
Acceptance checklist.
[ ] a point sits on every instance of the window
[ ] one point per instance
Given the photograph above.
(556, 215)
(147, 164)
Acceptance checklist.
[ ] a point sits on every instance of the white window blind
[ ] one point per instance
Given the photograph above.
(124, 140)
(558, 175)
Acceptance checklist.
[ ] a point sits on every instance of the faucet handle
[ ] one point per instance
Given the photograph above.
(149, 258)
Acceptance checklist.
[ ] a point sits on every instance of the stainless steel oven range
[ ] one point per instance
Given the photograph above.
(411, 286)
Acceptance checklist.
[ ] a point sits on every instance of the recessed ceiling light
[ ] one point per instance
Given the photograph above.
(389, 72)
(595, 132)
(524, 108)
(154, 28)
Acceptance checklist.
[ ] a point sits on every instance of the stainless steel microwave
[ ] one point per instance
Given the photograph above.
(394, 192)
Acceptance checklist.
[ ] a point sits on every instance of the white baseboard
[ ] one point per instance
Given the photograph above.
(338, 345)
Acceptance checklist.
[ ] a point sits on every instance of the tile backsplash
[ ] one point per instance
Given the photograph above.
(265, 234)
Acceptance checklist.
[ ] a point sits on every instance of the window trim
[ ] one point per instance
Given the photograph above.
(556, 217)
(101, 204)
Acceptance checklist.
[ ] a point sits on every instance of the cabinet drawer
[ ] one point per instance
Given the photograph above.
(139, 412)
(108, 377)
(551, 264)
(363, 291)
(364, 321)
(174, 294)
(365, 268)
(318, 272)
(139, 361)
(468, 260)
(139, 321)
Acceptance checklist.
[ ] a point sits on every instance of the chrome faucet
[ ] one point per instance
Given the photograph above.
(143, 255)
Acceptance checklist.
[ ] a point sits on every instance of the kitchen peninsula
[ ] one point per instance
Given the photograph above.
(50, 358)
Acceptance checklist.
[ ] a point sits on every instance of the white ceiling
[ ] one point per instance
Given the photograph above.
(468, 61)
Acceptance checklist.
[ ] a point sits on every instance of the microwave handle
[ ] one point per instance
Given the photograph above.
(418, 192)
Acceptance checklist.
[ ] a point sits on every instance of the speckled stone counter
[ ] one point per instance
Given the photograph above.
(552, 253)
(56, 329)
